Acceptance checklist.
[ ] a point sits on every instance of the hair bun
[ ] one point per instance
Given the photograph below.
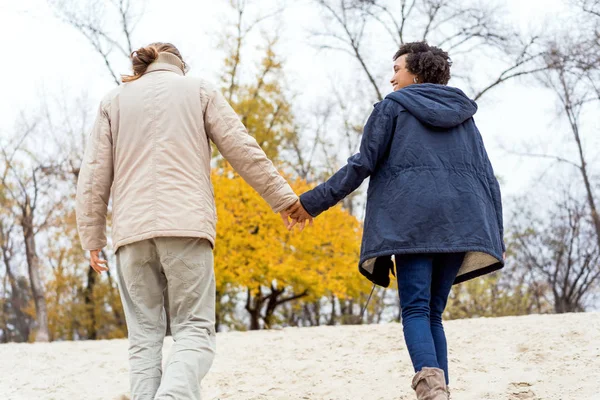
(146, 55)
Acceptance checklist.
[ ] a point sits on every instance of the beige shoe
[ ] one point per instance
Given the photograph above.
(430, 384)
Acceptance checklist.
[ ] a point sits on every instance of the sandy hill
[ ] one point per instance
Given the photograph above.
(546, 357)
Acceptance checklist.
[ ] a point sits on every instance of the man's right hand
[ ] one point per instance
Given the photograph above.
(285, 218)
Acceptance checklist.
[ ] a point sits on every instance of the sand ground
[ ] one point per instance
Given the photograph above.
(547, 357)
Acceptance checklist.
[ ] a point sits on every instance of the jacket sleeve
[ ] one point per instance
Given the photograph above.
(377, 135)
(241, 150)
(94, 185)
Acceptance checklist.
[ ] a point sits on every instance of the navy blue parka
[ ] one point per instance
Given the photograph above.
(432, 188)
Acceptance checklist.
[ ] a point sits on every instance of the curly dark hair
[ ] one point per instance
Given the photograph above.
(430, 64)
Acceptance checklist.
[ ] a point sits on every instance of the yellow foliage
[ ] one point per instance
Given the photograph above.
(77, 311)
(255, 249)
(487, 296)
(261, 103)
(80, 303)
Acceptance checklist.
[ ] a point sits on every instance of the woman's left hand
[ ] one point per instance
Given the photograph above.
(299, 216)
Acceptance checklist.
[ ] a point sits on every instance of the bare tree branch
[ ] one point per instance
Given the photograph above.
(352, 37)
(432, 9)
(548, 156)
(89, 20)
(124, 12)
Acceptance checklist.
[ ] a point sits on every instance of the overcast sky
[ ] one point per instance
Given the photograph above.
(40, 54)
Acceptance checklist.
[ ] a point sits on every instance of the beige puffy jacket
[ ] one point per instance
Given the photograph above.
(150, 146)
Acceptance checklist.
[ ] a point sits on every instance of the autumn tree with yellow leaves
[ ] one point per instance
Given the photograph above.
(257, 261)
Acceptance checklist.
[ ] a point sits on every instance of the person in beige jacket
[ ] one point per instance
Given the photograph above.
(150, 147)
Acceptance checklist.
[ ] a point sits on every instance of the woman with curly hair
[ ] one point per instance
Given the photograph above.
(433, 203)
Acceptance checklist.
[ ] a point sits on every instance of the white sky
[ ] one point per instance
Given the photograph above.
(42, 55)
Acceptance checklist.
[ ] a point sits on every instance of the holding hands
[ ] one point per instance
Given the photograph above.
(298, 215)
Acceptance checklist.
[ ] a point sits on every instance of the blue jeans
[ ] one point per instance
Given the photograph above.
(424, 283)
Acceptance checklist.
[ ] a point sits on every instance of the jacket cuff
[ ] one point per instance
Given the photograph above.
(309, 206)
(93, 237)
(282, 198)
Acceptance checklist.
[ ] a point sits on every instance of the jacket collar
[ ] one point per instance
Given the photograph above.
(166, 62)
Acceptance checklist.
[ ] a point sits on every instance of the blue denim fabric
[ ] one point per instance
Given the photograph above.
(424, 283)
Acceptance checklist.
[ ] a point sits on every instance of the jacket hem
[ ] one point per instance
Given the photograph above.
(478, 272)
(416, 250)
(165, 233)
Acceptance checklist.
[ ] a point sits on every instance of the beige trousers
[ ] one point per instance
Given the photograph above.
(145, 269)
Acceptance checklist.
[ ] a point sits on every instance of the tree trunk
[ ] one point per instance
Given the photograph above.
(271, 306)
(3, 313)
(313, 313)
(17, 303)
(332, 317)
(217, 311)
(583, 167)
(92, 333)
(274, 301)
(254, 319)
(317, 311)
(253, 306)
(3, 324)
(35, 280)
(559, 306)
(563, 303)
(588, 187)
(294, 319)
(347, 313)
(381, 306)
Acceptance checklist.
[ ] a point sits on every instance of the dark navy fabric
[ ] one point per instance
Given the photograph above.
(432, 187)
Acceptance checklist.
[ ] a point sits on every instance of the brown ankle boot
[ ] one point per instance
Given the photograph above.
(430, 384)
